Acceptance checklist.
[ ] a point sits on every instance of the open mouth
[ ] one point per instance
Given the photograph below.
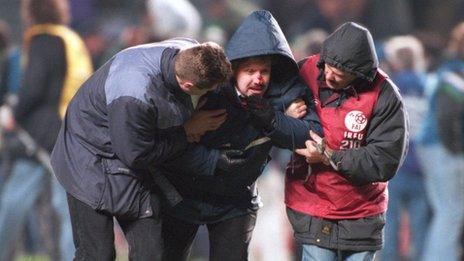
(257, 88)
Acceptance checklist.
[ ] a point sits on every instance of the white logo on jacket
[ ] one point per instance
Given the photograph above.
(355, 121)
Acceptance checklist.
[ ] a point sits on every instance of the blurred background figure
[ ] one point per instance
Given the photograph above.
(441, 153)
(405, 58)
(12, 151)
(174, 18)
(56, 63)
(309, 43)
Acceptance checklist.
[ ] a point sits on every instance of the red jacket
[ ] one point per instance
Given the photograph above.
(325, 192)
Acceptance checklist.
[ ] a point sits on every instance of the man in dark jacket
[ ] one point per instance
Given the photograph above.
(225, 198)
(338, 211)
(130, 116)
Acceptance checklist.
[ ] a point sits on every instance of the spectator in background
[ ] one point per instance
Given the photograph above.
(56, 63)
(173, 19)
(224, 14)
(4, 43)
(441, 152)
(406, 60)
(337, 207)
(11, 148)
(4, 46)
(309, 43)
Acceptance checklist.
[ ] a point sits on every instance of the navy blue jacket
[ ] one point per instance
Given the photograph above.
(125, 119)
(210, 196)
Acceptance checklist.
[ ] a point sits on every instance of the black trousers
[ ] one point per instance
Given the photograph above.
(229, 239)
(94, 235)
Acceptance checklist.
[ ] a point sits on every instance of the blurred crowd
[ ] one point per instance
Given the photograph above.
(420, 44)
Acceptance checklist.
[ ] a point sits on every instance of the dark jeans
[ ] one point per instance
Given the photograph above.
(94, 236)
(229, 239)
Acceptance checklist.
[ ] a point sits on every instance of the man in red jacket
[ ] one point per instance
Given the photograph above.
(337, 205)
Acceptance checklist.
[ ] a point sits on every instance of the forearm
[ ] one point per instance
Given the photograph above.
(196, 160)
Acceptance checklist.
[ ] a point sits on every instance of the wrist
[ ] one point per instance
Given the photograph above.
(328, 153)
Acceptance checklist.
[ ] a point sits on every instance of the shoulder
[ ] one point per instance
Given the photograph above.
(389, 91)
(46, 43)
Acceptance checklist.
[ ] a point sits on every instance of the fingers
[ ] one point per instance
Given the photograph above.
(193, 138)
(214, 113)
(203, 114)
(315, 137)
(300, 114)
(297, 109)
(311, 153)
(214, 123)
(302, 152)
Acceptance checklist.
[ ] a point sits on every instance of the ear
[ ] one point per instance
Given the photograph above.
(186, 85)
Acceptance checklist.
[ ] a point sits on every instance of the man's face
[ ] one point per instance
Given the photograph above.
(336, 78)
(252, 76)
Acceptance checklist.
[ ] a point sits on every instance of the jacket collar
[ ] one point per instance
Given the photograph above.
(168, 72)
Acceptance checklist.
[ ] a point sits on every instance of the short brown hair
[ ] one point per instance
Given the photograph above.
(205, 65)
(45, 11)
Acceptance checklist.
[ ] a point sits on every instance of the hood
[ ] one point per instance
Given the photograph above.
(351, 49)
(260, 34)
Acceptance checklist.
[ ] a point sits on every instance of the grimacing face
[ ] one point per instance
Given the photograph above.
(252, 76)
(336, 78)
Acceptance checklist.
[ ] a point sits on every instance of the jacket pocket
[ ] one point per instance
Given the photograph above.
(363, 230)
(124, 195)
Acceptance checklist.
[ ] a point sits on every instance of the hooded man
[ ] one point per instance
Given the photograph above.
(338, 211)
(225, 199)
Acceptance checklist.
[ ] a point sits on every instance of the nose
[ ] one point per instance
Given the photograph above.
(259, 79)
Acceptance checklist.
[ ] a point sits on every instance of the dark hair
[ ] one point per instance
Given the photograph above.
(205, 65)
(46, 11)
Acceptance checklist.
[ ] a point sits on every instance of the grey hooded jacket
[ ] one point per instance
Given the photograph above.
(125, 119)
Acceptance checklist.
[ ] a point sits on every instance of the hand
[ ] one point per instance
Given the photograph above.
(297, 109)
(262, 113)
(316, 151)
(311, 153)
(229, 159)
(236, 161)
(203, 121)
